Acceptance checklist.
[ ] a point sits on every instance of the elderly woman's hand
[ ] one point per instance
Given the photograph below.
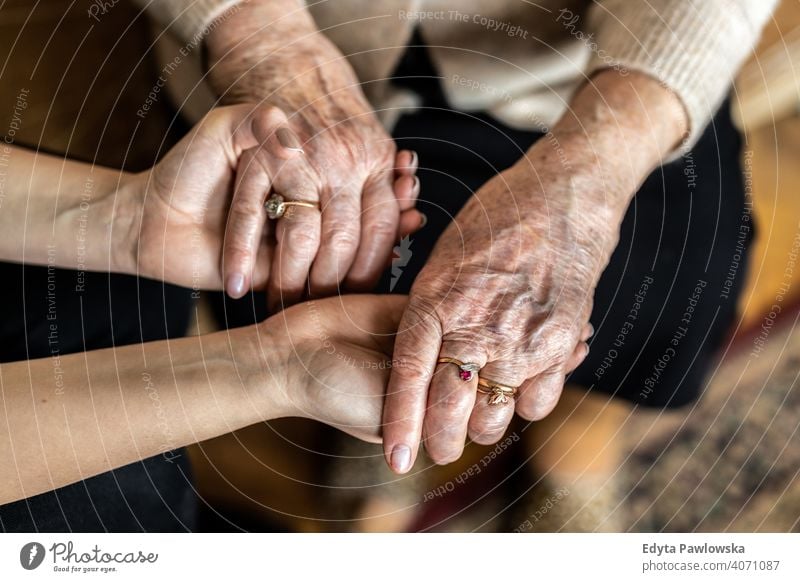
(197, 218)
(509, 286)
(271, 52)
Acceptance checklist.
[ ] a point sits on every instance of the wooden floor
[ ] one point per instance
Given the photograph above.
(773, 161)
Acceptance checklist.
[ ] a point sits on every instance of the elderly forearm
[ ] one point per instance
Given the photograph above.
(68, 418)
(617, 130)
(273, 51)
(61, 212)
(274, 23)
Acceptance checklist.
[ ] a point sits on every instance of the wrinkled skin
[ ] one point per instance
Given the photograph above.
(510, 284)
(293, 66)
(518, 305)
(201, 209)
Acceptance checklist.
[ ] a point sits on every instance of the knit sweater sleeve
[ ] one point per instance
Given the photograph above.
(187, 19)
(694, 47)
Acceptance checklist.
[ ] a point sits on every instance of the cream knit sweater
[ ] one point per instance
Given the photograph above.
(519, 60)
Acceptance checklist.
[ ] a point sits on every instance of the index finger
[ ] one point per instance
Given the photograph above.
(416, 350)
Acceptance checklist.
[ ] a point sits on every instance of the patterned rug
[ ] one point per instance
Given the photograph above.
(732, 462)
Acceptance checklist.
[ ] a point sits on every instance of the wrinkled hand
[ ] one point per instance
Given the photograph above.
(338, 355)
(509, 287)
(260, 55)
(201, 209)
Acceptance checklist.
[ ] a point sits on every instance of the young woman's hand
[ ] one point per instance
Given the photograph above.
(334, 360)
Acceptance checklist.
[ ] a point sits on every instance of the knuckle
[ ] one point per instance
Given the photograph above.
(383, 228)
(550, 389)
(420, 309)
(237, 236)
(418, 330)
(454, 405)
(245, 209)
(535, 408)
(237, 254)
(265, 118)
(560, 359)
(389, 148)
(486, 436)
(342, 238)
(527, 411)
(408, 365)
(490, 425)
(301, 240)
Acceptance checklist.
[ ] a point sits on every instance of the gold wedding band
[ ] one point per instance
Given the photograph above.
(498, 393)
(467, 370)
(277, 205)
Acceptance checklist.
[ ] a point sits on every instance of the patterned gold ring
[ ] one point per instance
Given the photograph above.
(498, 393)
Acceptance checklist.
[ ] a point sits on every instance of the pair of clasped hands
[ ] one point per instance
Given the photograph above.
(366, 364)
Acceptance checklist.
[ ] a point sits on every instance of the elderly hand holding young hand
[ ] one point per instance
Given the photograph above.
(197, 218)
(509, 286)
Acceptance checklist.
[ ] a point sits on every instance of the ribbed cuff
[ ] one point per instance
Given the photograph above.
(188, 19)
(694, 47)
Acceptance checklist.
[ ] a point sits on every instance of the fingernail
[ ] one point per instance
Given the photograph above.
(401, 458)
(591, 330)
(414, 160)
(288, 139)
(235, 285)
(417, 184)
(423, 219)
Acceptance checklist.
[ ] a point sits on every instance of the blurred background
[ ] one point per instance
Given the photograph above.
(731, 463)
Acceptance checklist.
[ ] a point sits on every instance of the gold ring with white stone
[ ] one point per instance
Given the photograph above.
(276, 206)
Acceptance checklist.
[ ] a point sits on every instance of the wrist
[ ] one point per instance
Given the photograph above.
(272, 23)
(128, 202)
(262, 47)
(219, 370)
(623, 126)
(262, 355)
(575, 177)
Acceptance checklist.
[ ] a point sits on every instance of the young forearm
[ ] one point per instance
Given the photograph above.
(61, 212)
(68, 418)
